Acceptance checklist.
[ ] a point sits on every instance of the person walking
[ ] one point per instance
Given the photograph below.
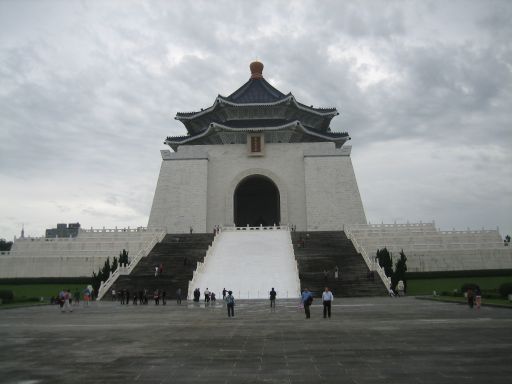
(224, 294)
(273, 295)
(178, 296)
(327, 299)
(206, 295)
(164, 297)
(336, 272)
(230, 300)
(478, 297)
(307, 300)
(470, 297)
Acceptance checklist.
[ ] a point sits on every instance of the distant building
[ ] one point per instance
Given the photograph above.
(63, 230)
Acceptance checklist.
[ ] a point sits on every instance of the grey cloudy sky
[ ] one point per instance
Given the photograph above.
(89, 89)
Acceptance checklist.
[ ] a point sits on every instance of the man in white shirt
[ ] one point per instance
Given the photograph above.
(327, 299)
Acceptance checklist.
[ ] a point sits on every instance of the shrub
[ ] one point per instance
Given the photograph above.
(6, 296)
(505, 289)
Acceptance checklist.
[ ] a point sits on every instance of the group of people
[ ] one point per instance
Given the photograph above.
(66, 300)
(209, 297)
(141, 297)
(307, 300)
(474, 297)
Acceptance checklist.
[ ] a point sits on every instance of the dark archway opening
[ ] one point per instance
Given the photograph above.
(256, 202)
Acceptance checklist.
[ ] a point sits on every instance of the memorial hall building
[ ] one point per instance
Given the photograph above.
(257, 157)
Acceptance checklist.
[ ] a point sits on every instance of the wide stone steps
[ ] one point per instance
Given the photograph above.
(323, 251)
(178, 254)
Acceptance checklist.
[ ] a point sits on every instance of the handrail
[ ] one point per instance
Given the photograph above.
(126, 270)
(371, 265)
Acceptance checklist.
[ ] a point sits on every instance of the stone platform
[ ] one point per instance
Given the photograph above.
(368, 340)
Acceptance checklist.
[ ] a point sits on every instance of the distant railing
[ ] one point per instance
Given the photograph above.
(127, 269)
(372, 265)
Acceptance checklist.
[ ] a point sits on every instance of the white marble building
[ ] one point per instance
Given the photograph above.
(257, 157)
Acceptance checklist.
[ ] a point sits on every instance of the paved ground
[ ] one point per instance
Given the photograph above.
(372, 340)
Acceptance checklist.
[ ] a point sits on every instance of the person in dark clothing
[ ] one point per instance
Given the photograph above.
(164, 297)
(224, 294)
(273, 295)
(197, 295)
(307, 300)
(178, 296)
(230, 300)
(127, 297)
(471, 298)
(156, 297)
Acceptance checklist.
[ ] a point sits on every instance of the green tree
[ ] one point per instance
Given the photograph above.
(385, 261)
(114, 264)
(400, 270)
(5, 245)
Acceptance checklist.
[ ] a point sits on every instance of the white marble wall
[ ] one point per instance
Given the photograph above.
(316, 184)
(428, 249)
(70, 257)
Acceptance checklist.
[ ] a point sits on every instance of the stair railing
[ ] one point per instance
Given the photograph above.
(201, 267)
(127, 269)
(373, 266)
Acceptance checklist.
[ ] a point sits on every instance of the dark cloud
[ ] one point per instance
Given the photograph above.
(88, 91)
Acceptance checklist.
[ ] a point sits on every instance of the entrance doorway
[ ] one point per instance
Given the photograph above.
(256, 202)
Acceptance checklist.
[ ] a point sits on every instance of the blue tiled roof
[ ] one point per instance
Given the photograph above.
(256, 91)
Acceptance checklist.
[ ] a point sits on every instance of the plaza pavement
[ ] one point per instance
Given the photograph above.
(368, 340)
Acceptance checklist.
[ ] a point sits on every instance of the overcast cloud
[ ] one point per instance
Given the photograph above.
(89, 89)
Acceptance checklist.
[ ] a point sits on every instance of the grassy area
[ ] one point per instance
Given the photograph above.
(26, 291)
(427, 286)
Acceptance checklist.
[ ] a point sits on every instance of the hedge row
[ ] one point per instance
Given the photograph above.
(465, 273)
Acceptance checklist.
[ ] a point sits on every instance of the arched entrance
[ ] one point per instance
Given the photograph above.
(256, 202)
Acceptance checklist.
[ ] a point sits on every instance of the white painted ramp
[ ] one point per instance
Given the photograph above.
(249, 262)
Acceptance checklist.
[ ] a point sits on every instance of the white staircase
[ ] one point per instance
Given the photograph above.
(249, 261)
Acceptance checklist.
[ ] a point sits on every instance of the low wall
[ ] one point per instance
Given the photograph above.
(71, 257)
(428, 249)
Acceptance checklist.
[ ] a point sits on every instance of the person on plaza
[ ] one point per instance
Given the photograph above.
(178, 296)
(140, 296)
(230, 301)
(191, 229)
(307, 300)
(224, 294)
(206, 295)
(471, 297)
(156, 297)
(327, 299)
(76, 297)
(164, 297)
(156, 270)
(213, 298)
(145, 297)
(62, 295)
(135, 298)
(87, 297)
(197, 295)
(113, 294)
(336, 272)
(127, 298)
(67, 302)
(273, 295)
(478, 297)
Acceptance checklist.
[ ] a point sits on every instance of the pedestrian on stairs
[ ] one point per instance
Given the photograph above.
(336, 272)
(230, 300)
(156, 270)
